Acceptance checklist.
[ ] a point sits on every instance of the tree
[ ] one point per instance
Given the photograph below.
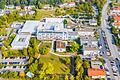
(2, 5)
(25, 53)
(1, 65)
(40, 5)
(67, 61)
(96, 34)
(31, 59)
(86, 64)
(65, 22)
(73, 47)
(44, 50)
(114, 30)
(46, 69)
(34, 66)
(5, 53)
(66, 77)
(79, 68)
(87, 78)
(71, 77)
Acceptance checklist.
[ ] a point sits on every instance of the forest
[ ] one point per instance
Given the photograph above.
(40, 2)
(30, 2)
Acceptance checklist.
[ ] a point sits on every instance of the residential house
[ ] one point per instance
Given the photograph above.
(116, 10)
(8, 11)
(93, 22)
(61, 46)
(27, 8)
(22, 13)
(47, 6)
(68, 5)
(116, 22)
(62, 5)
(96, 73)
(97, 64)
(71, 4)
(9, 6)
(17, 7)
(31, 12)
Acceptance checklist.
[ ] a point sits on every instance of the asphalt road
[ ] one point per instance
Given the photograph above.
(112, 47)
(104, 26)
(104, 51)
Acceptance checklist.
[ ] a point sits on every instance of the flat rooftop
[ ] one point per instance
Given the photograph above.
(96, 64)
(21, 40)
(96, 72)
(30, 26)
(90, 48)
(55, 20)
(87, 38)
(85, 29)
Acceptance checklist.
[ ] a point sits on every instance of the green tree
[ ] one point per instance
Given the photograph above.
(66, 77)
(71, 77)
(2, 5)
(86, 64)
(65, 22)
(44, 50)
(25, 53)
(33, 67)
(87, 78)
(46, 69)
(73, 47)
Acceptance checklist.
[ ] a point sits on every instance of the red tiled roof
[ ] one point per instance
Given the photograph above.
(116, 8)
(116, 17)
(116, 23)
(60, 44)
(71, 2)
(96, 72)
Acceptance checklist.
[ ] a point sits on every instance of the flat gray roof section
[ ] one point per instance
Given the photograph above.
(21, 41)
(30, 26)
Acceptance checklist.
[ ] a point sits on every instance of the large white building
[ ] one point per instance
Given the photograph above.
(54, 29)
(30, 27)
(23, 37)
(20, 41)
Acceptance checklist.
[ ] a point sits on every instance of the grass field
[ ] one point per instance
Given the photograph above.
(41, 13)
(58, 63)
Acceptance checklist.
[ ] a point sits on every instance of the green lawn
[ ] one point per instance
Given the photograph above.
(44, 13)
(58, 63)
